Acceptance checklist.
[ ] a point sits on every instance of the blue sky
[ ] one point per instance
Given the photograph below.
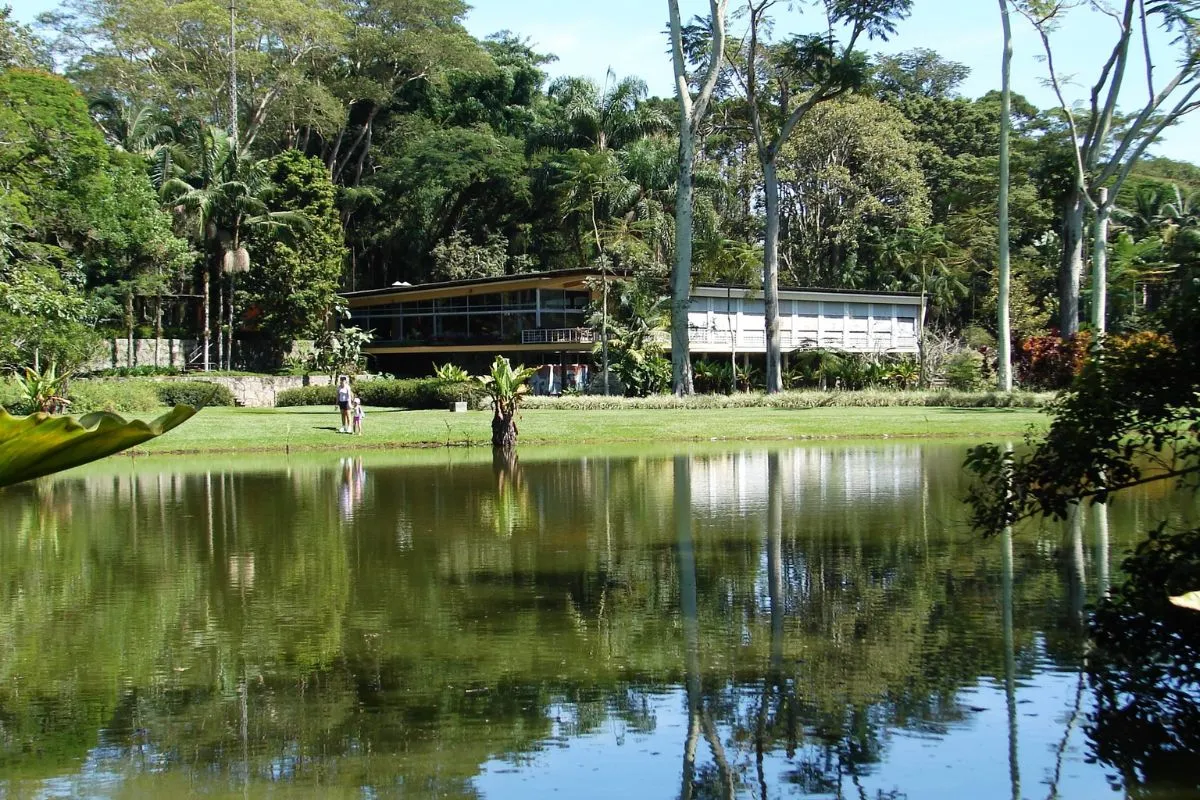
(628, 36)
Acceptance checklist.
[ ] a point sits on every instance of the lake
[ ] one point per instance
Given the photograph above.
(809, 621)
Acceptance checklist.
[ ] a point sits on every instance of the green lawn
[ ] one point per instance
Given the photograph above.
(312, 428)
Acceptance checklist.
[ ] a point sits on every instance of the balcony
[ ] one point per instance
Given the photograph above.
(558, 336)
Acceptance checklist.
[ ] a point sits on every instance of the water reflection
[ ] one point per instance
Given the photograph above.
(801, 622)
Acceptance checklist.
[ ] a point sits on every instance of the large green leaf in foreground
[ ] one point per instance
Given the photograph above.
(41, 444)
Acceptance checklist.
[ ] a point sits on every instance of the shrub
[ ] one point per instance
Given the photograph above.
(795, 400)
(450, 372)
(197, 394)
(412, 393)
(711, 377)
(964, 371)
(1050, 362)
(123, 395)
(12, 399)
(307, 396)
(147, 371)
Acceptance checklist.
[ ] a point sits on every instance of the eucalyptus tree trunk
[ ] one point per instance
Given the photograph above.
(691, 116)
(1004, 328)
(1100, 263)
(1071, 269)
(681, 276)
(1107, 147)
(771, 277)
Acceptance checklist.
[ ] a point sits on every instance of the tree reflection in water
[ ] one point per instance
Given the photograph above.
(436, 621)
(1145, 671)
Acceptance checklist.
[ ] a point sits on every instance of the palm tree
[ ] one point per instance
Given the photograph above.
(506, 386)
(221, 195)
(588, 117)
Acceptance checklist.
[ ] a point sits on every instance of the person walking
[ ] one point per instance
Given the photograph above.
(344, 397)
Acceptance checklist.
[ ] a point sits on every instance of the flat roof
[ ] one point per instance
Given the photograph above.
(567, 277)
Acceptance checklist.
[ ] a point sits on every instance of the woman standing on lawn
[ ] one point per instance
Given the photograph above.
(343, 402)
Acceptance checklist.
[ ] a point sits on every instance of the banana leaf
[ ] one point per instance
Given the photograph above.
(1190, 600)
(41, 444)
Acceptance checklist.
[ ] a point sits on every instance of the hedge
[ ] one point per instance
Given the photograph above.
(795, 400)
(123, 396)
(197, 394)
(414, 393)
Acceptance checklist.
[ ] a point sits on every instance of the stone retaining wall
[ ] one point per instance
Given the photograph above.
(256, 391)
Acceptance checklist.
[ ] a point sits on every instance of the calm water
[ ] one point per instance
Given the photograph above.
(806, 622)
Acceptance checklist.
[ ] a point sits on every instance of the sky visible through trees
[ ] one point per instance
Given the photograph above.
(629, 36)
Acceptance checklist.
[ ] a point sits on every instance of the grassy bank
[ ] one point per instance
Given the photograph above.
(315, 428)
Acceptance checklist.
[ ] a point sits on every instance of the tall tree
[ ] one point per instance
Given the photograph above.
(222, 194)
(176, 55)
(848, 178)
(1004, 333)
(692, 111)
(810, 69)
(390, 46)
(1106, 148)
(19, 46)
(918, 73)
(294, 283)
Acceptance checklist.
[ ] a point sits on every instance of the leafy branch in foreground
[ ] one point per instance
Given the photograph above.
(41, 444)
(1132, 417)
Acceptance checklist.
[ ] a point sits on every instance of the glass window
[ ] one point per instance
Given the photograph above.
(554, 298)
(486, 302)
(452, 328)
(808, 308)
(525, 299)
(485, 327)
(515, 323)
(418, 329)
(578, 300)
(419, 307)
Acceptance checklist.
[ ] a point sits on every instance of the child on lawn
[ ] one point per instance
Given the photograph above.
(359, 413)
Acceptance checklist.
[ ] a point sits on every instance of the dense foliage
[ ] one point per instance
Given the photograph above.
(415, 393)
(378, 142)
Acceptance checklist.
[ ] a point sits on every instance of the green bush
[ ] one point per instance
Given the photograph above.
(964, 370)
(12, 399)
(196, 394)
(412, 393)
(121, 395)
(871, 398)
(307, 396)
(136, 372)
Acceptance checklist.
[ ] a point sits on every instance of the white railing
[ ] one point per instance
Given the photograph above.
(558, 336)
(752, 340)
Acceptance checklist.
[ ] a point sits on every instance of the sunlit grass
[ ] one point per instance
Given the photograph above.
(316, 428)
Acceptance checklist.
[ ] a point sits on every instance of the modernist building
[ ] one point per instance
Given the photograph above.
(541, 318)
